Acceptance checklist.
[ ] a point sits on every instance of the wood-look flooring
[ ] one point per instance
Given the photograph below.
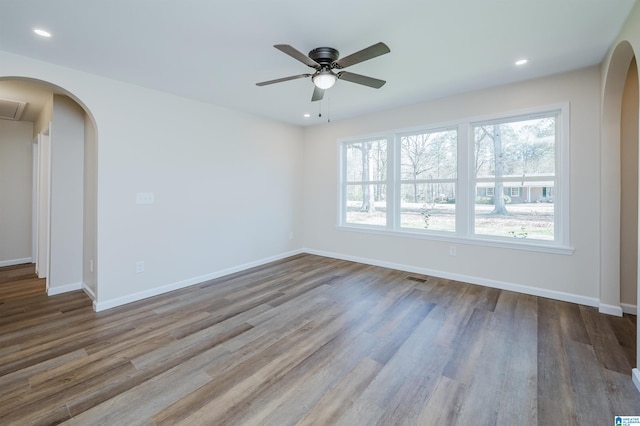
(314, 341)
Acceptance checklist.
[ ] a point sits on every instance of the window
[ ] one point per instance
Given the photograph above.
(515, 153)
(497, 181)
(428, 180)
(365, 186)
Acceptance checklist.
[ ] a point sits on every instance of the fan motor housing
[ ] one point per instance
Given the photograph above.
(324, 55)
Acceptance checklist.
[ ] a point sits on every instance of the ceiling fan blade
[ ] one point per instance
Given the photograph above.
(280, 80)
(362, 55)
(296, 54)
(361, 79)
(318, 94)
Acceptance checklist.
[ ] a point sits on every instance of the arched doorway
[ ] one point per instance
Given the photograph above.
(64, 206)
(619, 134)
(629, 191)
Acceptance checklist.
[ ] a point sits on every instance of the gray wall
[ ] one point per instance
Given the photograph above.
(16, 189)
(67, 188)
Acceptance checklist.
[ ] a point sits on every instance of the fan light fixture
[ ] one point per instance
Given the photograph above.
(324, 79)
(326, 59)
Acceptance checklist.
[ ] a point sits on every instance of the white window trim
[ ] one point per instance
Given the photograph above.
(465, 221)
(342, 183)
(397, 180)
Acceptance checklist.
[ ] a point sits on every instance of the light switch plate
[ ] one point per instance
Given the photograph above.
(145, 198)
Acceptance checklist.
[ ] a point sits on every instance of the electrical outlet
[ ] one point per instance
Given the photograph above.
(139, 266)
(291, 235)
(452, 250)
(91, 265)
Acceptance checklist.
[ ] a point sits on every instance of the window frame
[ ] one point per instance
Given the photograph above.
(466, 184)
(343, 183)
(398, 181)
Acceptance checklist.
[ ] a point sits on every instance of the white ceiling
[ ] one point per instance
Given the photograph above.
(215, 51)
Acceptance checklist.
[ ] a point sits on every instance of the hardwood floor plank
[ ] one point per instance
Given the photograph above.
(10, 382)
(519, 389)
(338, 354)
(592, 405)
(137, 405)
(240, 377)
(179, 351)
(9, 349)
(339, 399)
(492, 383)
(317, 375)
(11, 274)
(444, 404)
(624, 328)
(556, 402)
(36, 406)
(315, 347)
(313, 340)
(445, 293)
(602, 338)
(621, 393)
(418, 364)
(467, 352)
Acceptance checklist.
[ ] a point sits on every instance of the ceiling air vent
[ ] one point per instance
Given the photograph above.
(11, 110)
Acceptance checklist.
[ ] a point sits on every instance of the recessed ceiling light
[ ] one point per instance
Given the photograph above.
(307, 115)
(42, 33)
(522, 61)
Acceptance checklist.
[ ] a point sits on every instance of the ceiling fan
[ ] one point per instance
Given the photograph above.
(324, 60)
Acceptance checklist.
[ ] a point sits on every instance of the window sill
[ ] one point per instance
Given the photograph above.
(540, 246)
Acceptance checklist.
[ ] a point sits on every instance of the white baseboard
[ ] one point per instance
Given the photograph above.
(635, 376)
(628, 308)
(534, 291)
(89, 291)
(12, 262)
(109, 304)
(52, 291)
(615, 310)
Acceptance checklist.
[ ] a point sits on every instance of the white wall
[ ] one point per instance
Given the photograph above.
(227, 185)
(41, 125)
(90, 194)
(573, 277)
(614, 76)
(16, 189)
(67, 187)
(629, 189)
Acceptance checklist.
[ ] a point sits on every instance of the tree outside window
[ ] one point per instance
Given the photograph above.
(512, 156)
(428, 169)
(365, 184)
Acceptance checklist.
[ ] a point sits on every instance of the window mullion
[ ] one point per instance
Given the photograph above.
(393, 182)
(465, 183)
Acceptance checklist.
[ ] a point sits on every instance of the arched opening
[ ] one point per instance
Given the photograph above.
(619, 188)
(62, 205)
(610, 179)
(629, 191)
